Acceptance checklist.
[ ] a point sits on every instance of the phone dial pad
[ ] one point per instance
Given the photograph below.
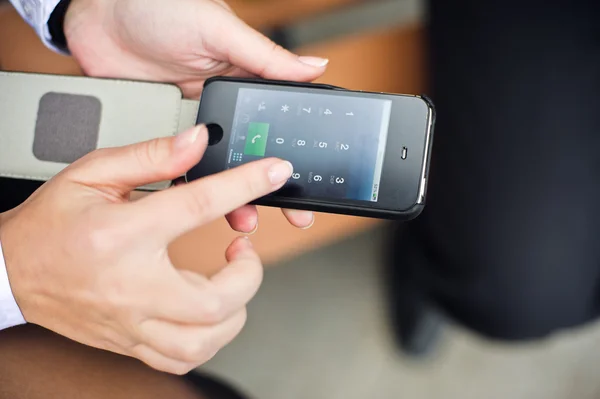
(329, 140)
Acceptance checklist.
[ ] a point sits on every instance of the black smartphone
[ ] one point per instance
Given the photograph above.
(354, 153)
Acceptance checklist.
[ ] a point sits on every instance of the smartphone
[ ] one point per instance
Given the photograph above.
(354, 153)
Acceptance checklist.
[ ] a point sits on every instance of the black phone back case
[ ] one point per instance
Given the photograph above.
(317, 206)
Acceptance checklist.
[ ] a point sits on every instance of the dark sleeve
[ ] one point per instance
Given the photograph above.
(56, 24)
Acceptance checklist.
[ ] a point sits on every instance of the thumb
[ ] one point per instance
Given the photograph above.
(129, 167)
(248, 49)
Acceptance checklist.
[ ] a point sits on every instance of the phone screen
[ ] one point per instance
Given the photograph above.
(336, 143)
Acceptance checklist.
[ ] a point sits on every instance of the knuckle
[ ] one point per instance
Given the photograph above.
(178, 350)
(182, 369)
(104, 243)
(274, 49)
(100, 241)
(212, 311)
(196, 353)
(175, 368)
(252, 181)
(240, 322)
(202, 352)
(150, 153)
(253, 186)
(198, 205)
(162, 364)
(101, 235)
(117, 300)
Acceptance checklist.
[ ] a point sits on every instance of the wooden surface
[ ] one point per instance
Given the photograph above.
(21, 50)
(38, 364)
(383, 61)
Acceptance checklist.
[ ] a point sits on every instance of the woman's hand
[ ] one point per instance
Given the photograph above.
(182, 42)
(89, 264)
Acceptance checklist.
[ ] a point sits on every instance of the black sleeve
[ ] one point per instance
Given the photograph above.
(56, 24)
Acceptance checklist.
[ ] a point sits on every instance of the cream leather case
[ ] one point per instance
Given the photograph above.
(49, 121)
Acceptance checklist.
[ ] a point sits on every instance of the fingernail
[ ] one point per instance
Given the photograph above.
(314, 61)
(188, 137)
(312, 223)
(254, 230)
(296, 213)
(280, 172)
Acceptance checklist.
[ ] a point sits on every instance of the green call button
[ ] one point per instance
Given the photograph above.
(256, 140)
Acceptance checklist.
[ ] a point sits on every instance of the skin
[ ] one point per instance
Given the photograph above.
(100, 273)
(195, 40)
(90, 264)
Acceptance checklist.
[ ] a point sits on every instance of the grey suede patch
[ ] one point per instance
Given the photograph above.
(67, 127)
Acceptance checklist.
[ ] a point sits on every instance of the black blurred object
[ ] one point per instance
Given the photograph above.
(213, 387)
(56, 24)
(416, 324)
(508, 242)
(15, 191)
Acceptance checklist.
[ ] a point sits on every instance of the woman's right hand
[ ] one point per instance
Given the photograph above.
(89, 264)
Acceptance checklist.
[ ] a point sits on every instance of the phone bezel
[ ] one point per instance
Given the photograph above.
(400, 192)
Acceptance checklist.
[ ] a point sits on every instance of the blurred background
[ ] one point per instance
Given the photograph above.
(319, 328)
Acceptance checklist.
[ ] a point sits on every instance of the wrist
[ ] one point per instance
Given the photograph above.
(86, 27)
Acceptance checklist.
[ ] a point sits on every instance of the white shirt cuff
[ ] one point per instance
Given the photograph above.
(10, 314)
(37, 13)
